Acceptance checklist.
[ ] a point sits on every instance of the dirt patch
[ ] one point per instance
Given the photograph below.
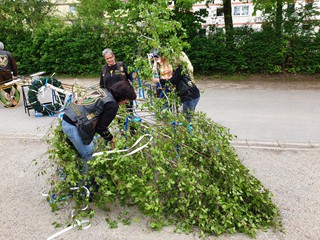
(255, 81)
(261, 81)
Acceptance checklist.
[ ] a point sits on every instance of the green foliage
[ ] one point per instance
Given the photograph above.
(147, 24)
(189, 176)
(18, 20)
(69, 50)
(190, 21)
(24, 14)
(262, 52)
(41, 42)
(298, 49)
(209, 54)
(256, 52)
(302, 40)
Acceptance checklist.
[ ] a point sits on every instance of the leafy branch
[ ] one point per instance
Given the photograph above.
(189, 176)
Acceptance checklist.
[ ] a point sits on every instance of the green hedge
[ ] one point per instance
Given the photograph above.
(71, 51)
(254, 52)
(304, 55)
(76, 51)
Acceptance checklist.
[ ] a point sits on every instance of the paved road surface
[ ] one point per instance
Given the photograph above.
(253, 115)
(292, 174)
(266, 115)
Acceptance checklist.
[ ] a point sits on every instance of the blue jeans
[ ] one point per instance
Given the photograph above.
(189, 106)
(71, 131)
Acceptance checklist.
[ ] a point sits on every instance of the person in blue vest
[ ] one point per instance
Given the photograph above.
(94, 114)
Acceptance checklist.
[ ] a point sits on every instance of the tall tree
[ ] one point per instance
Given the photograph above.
(139, 26)
(275, 7)
(227, 12)
(190, 21)
(24, 14)
(19, 20)
(228, 21)
(94, 13)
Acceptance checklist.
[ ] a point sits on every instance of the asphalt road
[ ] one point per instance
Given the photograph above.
(269, 116)
(266, 115)
(259, 118)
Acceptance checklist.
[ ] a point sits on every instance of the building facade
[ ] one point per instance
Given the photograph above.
(242, 14)
(65, 6)
(242, 11)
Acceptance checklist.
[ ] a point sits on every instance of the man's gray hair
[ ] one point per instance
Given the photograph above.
(1, 46)
(106, 51)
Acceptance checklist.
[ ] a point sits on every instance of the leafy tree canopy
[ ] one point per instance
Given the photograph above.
(138, 26)
(24, 14)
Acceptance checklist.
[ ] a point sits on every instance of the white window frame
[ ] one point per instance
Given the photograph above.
(241, 10)
(219, 9)
(72, 9)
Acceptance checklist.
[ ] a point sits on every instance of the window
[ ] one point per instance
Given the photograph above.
(220, 12)
(72, 9)
(241, 11)
(203, 11)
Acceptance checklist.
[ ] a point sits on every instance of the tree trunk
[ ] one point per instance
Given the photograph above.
(279, 17)
(227, 10)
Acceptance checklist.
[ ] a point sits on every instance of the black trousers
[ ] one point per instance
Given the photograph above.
(5, 76)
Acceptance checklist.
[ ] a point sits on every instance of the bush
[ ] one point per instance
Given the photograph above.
(252, 52)
(71, 50)
(304, 55)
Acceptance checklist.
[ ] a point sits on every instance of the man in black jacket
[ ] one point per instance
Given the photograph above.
(7, 65)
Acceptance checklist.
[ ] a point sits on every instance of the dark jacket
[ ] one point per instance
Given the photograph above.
(7, 62)
(112, 74)
(185, 91)
(94, 116)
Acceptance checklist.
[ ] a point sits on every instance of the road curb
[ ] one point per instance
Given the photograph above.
(238, 143)
(276, 145)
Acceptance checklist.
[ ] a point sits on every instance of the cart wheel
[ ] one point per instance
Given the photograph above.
(45, 109)
(9, 96)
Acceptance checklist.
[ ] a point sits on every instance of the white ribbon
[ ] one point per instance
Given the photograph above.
(127, 150)
(84, 224)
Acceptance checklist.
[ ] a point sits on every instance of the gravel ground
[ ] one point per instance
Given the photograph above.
(293, 176)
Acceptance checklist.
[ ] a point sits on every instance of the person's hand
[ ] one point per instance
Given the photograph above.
(155, 80)
(134, 75)
(113, 143)
(156, 59)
